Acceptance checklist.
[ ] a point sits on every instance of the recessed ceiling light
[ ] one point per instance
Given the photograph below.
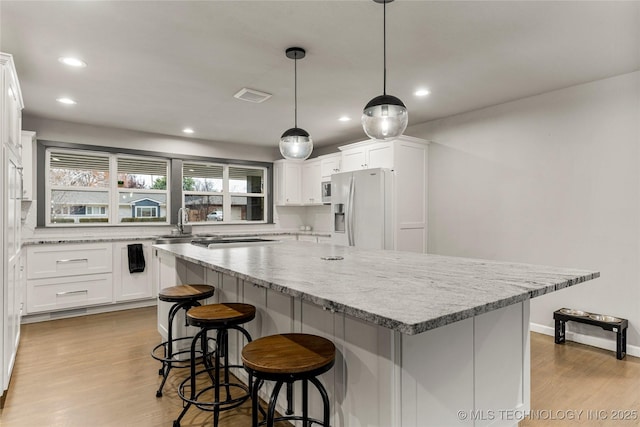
(67, 101)
(72, 62)
(187, 130)
(344, 119)
(422, 92)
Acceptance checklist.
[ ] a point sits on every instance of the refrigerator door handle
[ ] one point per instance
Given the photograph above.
(350, 214)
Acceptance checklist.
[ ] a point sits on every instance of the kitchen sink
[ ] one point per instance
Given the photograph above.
(174, 238)
(216, 242)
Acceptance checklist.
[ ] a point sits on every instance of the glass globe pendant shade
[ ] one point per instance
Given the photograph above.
(384, 118)
(296, 144)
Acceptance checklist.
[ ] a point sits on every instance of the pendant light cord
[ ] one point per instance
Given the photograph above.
(384, 48)
(295, 91)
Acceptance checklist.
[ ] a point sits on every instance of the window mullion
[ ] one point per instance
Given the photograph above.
(226, 198)
(113, 189)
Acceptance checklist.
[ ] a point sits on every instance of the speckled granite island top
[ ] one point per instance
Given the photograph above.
(407, 292)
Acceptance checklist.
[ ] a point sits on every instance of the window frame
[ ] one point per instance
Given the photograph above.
(112, 189)
(226, 194)
(174, 185)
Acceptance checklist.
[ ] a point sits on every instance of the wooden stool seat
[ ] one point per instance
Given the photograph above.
(286, 358)
(185, 292)
(223, 314)
(289, 354)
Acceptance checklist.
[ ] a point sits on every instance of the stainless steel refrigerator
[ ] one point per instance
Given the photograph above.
(362, 208)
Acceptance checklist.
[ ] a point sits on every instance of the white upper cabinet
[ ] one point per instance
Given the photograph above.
(311, 183)
(12, 104)
(329, 164)
(29, 165)
(366, 155)
(288, 182)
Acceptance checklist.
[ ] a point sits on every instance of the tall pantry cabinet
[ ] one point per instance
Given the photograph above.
(10, 206)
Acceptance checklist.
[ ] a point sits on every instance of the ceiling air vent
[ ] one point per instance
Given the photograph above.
(252, 95)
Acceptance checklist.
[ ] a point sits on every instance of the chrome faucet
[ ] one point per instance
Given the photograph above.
(183, 219)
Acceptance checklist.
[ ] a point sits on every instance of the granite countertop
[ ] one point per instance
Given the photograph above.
(122, 238)
(404, 291)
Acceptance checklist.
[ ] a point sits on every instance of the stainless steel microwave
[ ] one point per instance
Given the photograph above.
(326, 192)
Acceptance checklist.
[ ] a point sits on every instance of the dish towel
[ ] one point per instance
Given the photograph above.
(136, 258)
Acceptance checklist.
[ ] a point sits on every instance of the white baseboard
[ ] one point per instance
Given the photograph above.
(632, 350)
(84, 311)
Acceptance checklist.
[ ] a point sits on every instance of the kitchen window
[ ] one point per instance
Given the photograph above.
(221, 193)
(91, 188)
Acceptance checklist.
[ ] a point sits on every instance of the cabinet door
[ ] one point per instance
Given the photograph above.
(353, 159)
(380, 155)
(163, 276)
(14, 113)
(28, 163)
(329, 165)
(311, 183)
(60, 293)
(11, 321)
(288, 183)
(130, 286)
(13, 191)
(46, 261)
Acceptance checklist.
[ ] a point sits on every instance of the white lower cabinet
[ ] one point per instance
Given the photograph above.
(131, 286)
(83, 275)
(69, 292)
(68, 276)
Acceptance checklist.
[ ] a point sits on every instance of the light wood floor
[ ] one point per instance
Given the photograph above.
(96, 371)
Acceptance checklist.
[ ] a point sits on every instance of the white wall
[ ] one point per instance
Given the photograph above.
(55, 130)
(551, 179)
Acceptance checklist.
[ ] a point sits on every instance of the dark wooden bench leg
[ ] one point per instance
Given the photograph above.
(621, 344)
(560, 331)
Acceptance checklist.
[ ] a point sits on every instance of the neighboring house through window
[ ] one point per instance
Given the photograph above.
(85, 187)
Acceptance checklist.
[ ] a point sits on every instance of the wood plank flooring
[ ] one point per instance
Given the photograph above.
(96, 371)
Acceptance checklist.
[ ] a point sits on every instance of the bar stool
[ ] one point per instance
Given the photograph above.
(221, 318)
(286, 358)
(184, 298)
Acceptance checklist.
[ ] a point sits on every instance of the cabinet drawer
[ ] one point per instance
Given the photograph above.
(69, 292)
(68, 260)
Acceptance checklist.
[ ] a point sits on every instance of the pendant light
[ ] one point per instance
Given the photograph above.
(295, 143)
(385, 117)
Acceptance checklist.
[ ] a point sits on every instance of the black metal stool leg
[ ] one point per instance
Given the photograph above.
(255, 402)
(168, 349)
(271, 413)
(226, 360)
(305, 403)
(216, 390)
(192, 379)
(289, 410)
(325, 399)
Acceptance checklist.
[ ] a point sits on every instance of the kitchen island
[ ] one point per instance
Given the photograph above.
(422, 340)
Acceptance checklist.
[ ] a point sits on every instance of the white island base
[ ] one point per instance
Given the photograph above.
(474, 372)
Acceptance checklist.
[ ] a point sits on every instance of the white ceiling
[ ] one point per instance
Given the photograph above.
(159, 66)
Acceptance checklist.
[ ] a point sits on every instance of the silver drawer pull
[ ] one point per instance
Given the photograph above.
(61, 261)
(84, 291)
